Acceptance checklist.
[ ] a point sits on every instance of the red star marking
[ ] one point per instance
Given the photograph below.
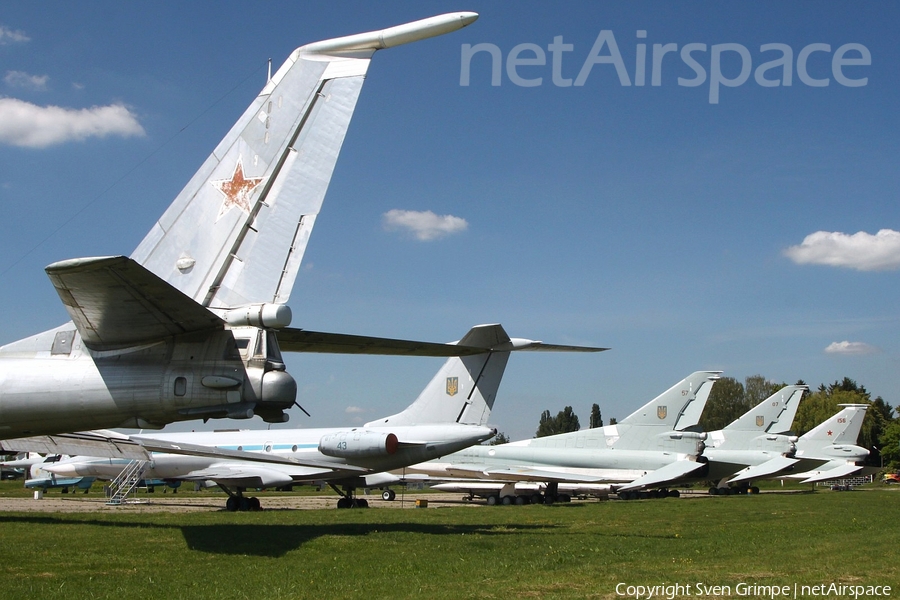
(829, 432)
(236, 190)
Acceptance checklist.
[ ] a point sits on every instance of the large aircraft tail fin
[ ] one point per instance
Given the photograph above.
(690, 414)
(464, 389)
(775, 411)
(783, 423)
(842, 428)
(236, 234)
(668, 407)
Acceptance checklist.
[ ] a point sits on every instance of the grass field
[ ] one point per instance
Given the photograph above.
(579, 550)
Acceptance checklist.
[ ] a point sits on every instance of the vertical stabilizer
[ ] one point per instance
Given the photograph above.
(690, 415)
(237, 232)
(667, 408)
(770, 412)
(465, 388)
(783, 423)
(842, 428)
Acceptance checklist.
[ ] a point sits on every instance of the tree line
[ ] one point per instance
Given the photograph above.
(730, 399)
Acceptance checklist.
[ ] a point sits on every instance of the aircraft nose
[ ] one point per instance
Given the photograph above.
(61, 470)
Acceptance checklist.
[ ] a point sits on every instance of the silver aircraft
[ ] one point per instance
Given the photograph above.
(451, 413)
(647, 449)
(192, 325)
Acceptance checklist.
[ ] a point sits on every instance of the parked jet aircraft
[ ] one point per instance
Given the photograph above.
(39, 478)
(450, 414)
(827, 447)
(644, 450)
(834, 440)
(193, 324)
(756, 437)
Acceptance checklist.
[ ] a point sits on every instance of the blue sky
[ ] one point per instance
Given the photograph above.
(644, 218)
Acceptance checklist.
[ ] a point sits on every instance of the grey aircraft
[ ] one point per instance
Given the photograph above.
(193, 324)
(646, 449)
(451, 413)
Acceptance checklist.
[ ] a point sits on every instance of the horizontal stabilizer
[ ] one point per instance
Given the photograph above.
(480, 339)
(666, 475)
(836, 473)
(767, 469)
(115, 303)
(298, 340)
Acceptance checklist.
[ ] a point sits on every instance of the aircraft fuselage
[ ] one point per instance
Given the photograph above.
(52, 383)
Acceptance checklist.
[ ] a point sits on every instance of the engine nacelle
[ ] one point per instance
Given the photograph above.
(358, 444)
(264, 315)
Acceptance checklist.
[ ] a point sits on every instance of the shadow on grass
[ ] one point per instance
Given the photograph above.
(277, 540)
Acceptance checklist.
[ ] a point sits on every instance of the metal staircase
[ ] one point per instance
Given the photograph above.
(120, 488)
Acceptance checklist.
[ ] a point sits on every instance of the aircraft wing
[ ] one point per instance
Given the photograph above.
(766, 469)
(115, 302)
(666, 475)
(518, 474)
(300, 340)
(836, 473)
(235, 474)
(109, 444)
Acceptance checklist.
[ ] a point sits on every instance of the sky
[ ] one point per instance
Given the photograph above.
(733, 207)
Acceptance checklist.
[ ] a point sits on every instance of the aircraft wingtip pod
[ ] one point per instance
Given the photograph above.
(392, 36)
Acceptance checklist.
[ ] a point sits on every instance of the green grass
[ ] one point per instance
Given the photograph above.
(579, 550)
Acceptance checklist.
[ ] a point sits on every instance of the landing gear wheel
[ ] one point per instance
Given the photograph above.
(674, 494)
(564, 498)
(344, 503)
(506, 500)
(232, 504)
(754, 490)
(388, 495)
(537, 499)
(492, 500)
(254, 504)
(520, 500)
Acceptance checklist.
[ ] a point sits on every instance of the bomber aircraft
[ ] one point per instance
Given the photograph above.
(646, 449)
(192, 325)
(450, 414)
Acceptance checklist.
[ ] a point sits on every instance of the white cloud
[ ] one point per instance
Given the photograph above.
(425, 225)
(21, 79)
(352, 410)
(861, 251)
(850, 348)
(31, 126)
(8, 36)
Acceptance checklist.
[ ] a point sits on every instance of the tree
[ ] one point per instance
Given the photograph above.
(564, 422)
(725, 404)
(596, 418)
(824, 403)
(500, 438)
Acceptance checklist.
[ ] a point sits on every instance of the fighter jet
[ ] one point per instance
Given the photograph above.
(450, 414)
(646, 449)
(192, 325)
